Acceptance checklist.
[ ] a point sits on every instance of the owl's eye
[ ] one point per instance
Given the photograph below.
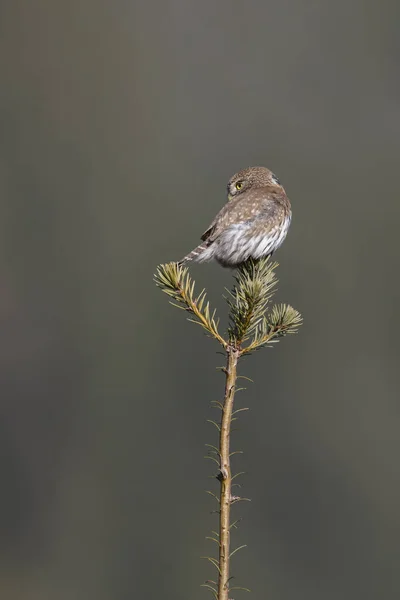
(239, 185)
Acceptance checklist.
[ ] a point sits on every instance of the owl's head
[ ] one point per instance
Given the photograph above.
(252, 177)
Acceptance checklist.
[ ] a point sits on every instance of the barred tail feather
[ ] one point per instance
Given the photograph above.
(195, 254)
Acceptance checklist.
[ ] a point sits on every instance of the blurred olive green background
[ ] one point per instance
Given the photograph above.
(121, 123)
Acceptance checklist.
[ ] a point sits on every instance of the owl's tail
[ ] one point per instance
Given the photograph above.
(195, 254)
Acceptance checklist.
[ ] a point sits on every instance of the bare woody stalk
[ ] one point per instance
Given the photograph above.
(225, 474)
(251, 327)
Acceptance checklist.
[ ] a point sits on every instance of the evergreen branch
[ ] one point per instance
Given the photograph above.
(286, 318)
(255, 281)
(282, 320)
(250, 327)
(176, 282)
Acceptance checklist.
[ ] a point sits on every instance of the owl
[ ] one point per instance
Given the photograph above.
(252, 224)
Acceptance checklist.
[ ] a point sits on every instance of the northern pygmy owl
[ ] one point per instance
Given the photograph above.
(252, 224)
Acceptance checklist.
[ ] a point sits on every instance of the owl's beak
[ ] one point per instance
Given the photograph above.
(230, 196)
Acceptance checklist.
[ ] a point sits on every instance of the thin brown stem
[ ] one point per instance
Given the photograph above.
(225, 473)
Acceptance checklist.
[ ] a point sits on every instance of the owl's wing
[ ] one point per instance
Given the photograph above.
(208, 232)
(267, 202)
(215, 225)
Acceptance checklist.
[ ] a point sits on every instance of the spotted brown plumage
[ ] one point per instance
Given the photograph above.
(252, 224)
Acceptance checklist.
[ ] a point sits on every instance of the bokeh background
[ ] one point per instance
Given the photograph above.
(121, 122)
